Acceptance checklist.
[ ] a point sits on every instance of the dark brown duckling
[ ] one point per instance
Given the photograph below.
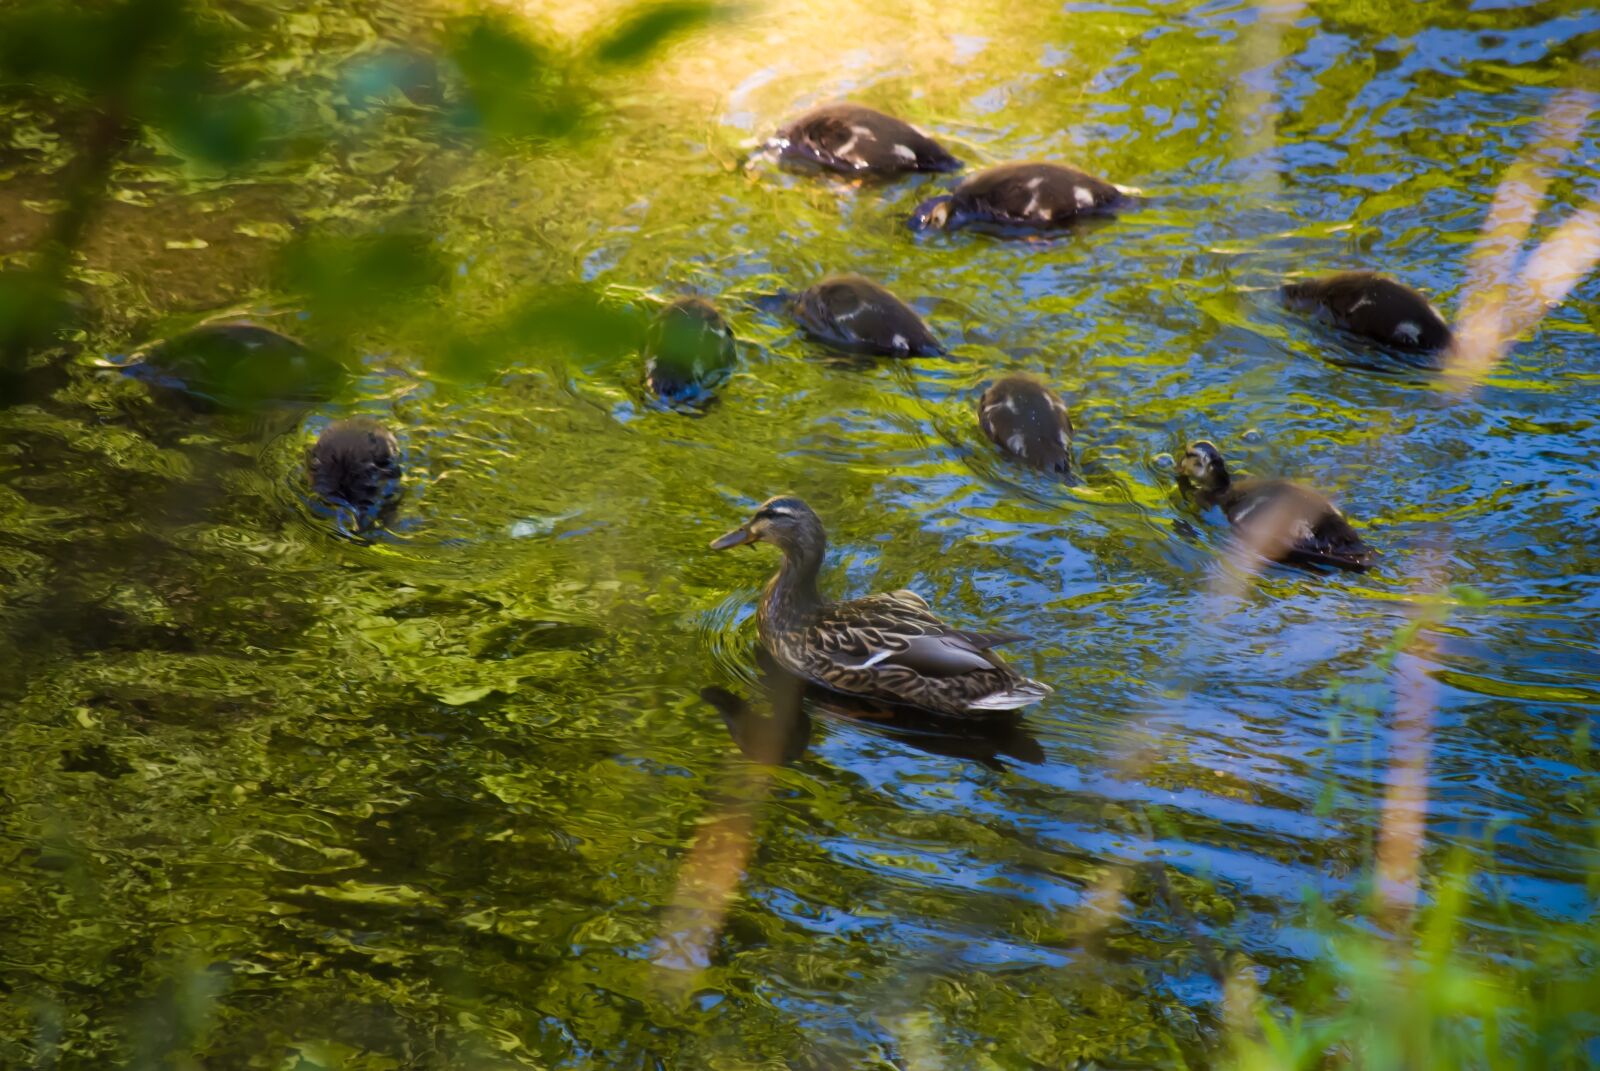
(356, 463)
(856, 140)
(856, 314)
(1365, 303)
(688, 350)
(1279, 520)
(1029, 421)
(1025, 196)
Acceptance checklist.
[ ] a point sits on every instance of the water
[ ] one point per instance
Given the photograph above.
(288, 800)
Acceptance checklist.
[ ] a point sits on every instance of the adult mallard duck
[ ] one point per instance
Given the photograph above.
(1367, 304)
(854, 313)
(888, 646)
(856, 140)
(1277, 519)
(1029, 421)
(356, 463)
(1020, 197)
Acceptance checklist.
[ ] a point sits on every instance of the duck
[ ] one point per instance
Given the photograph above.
(1029, 421)
(1280, 520)
(852, 139)
(856, 314)
(1020, 196)
(1378, 308)
(688, 350)
(888, 646)
(355, 463)
(237, 364)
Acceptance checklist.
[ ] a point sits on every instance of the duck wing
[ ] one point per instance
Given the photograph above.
(856, 313)
(1334, 542)
(853, 139)
(1035, 195)
(1287, 522)
(897, 629)
(1384, 310)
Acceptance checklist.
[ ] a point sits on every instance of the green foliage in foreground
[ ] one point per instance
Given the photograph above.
(1379, 1003)
(142, 76)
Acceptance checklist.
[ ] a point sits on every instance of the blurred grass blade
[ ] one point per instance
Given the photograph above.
(650, 26)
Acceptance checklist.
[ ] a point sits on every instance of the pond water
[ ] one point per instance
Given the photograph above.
(453, 797)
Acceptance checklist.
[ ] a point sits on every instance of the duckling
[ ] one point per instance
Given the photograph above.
(688, 350)
(888, 646)
(356, 463)
(1027, 420)
(855, 140)
(235, 364)
(1280, 520)
(1367, 304)
(1032, 196)
(853, 313)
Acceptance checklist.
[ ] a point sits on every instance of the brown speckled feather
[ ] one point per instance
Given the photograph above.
(855, 313)
(1294, 522)
(1038, 195)
(1029, 421)
(1384, 310)
(891, 647)
(855, 140)
(1276, 519)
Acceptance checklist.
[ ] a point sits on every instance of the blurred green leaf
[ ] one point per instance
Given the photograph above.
(414, 74)
(32, 309)
(220, 130)
(41, 45)
(347, 277)
(515, 87)
(649, 26)
(91, 51)
(155, 62)
(577, 321)
(566, 324)
(196, 113)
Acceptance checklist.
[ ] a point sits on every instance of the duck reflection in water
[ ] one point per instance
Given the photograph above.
(781, 734)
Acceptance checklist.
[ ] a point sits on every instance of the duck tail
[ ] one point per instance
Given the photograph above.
(1019, 693)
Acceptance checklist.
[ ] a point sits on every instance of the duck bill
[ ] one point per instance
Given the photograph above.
(931, 214)
(735, 538)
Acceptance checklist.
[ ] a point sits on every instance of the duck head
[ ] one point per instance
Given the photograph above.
(932, 214)
(1203, 467)
(351, 460)
(785, 521)
(687, 349)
